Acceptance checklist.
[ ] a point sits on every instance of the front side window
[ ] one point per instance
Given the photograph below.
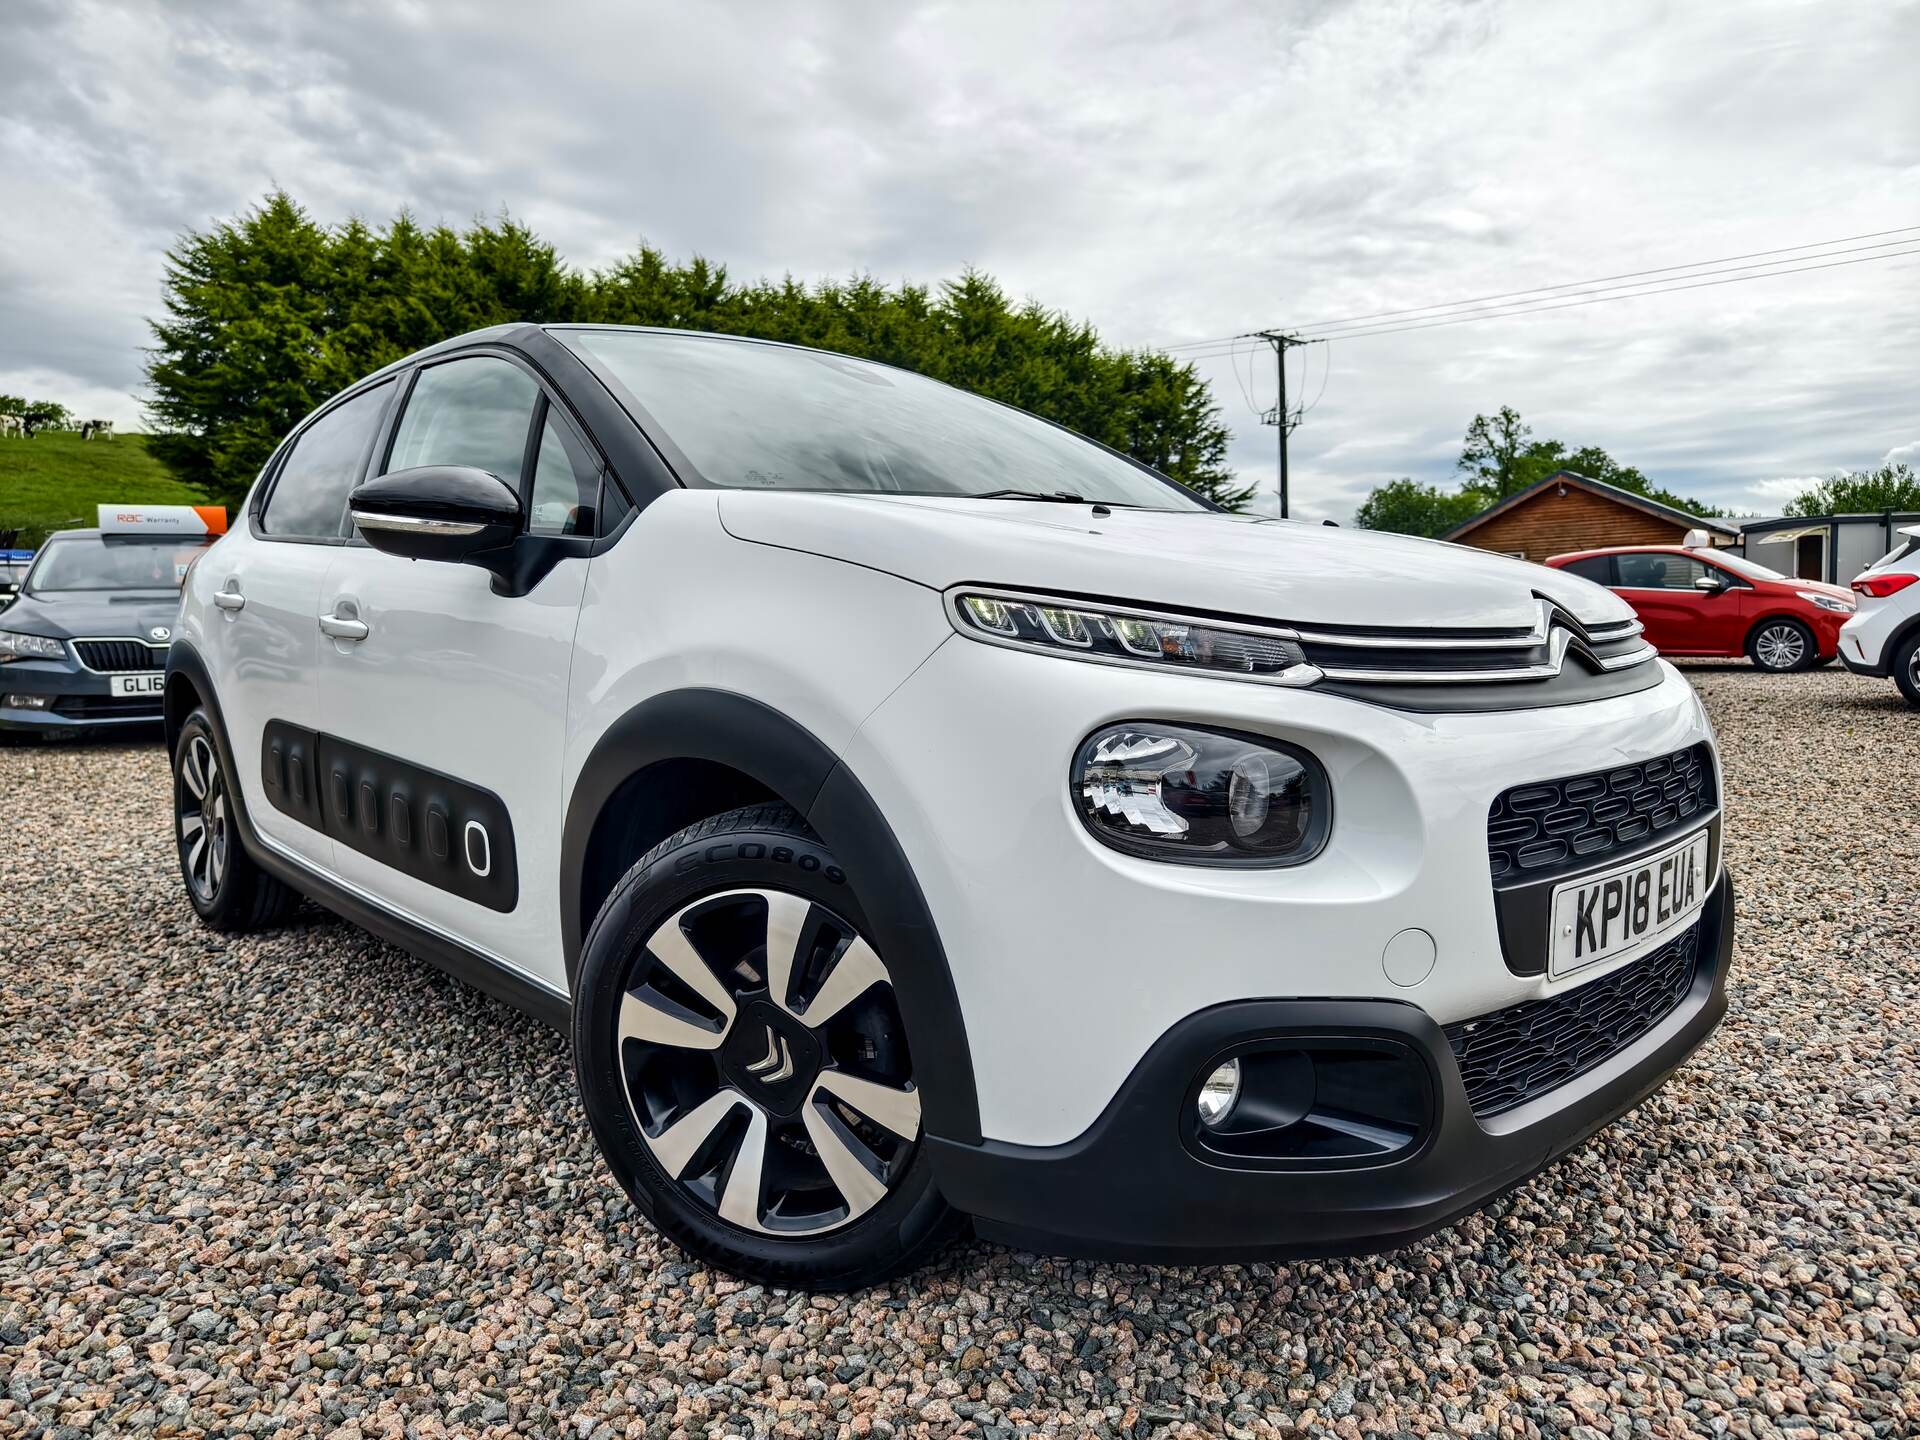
(771, 417)
(566, 482)
(1658, 572)
(473, 411)
(309, 499)
(99, 562)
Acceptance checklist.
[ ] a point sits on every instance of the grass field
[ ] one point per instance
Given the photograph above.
(55, 480)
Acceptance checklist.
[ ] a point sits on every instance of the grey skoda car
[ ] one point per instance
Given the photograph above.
(84, 646)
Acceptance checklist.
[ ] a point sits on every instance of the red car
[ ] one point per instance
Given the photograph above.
(1708, 602)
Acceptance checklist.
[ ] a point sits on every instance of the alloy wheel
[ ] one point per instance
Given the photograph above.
(1780, 647)
(204, 831)
(765, 1063)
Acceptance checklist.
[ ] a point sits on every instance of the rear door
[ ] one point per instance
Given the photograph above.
(443, 702)
(263, 638)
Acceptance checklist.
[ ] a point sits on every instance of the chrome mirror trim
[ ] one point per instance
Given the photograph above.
(415, 524)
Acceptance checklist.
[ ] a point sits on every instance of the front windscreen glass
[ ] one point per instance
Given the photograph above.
(1752, 569)
(93, 562)
(769, 417)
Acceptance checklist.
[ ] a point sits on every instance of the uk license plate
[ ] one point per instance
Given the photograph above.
(1628, 908)
(150, 682)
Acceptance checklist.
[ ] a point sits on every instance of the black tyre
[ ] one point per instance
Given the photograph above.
(225, 887)
(742, 1060)
(1781, 645)
(1904, 664)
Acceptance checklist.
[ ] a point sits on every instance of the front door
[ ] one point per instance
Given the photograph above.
(444, 703)
(263, 640)
(1660, 587)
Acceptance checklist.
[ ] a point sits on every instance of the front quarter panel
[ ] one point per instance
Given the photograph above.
(679, 604)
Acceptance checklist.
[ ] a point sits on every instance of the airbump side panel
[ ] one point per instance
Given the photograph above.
(452, 835)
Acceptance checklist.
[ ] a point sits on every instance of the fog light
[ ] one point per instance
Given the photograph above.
(28, 702)
(1218, 1094)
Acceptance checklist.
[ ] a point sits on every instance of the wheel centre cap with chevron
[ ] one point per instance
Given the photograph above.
(771, 1057)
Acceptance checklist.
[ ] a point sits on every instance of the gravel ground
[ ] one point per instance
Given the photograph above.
(303, 1184)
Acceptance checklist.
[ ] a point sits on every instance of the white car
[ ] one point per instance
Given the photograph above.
(923, 817)
(1883, 637)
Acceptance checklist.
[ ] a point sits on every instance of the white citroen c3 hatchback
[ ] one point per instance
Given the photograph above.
(922, 817)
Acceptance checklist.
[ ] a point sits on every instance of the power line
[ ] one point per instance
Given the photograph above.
(1628, 275)
(1760, 271)
(1607, 299)
(1222, 347)
(1543, 290)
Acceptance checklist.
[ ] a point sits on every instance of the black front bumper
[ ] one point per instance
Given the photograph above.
(1132, 1188)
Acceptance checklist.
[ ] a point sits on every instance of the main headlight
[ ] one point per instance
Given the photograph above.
(16, 646)
(1201, 797)
(1827, 602)
(1111, 635)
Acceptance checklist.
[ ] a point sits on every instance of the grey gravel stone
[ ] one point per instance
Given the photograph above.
(300, 1184)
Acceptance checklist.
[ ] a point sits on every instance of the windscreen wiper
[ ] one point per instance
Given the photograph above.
(1066, 495)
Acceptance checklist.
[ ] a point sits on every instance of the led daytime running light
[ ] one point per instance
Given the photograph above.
(1133, 637)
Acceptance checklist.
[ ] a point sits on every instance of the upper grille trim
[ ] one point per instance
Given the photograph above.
(1408, 657)
(109, 655)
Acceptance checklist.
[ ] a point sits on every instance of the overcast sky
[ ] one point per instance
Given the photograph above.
(1168, 172)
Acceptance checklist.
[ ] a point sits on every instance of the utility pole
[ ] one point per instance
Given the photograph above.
(1282, 418)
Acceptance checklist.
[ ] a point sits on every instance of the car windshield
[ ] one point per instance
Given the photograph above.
(756, 416)
(1740, 565)
(95, 562)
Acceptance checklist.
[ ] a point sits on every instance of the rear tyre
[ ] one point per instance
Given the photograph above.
(1781, 645)
(1906, 670)
(226, 889)
(743, 1063)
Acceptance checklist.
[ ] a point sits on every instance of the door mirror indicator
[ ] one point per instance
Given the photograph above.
(437, 512)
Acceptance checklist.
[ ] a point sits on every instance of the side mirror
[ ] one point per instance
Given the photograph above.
(436, 512)
(1712, 584)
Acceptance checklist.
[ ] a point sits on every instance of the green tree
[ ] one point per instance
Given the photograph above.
(1407, 507)
(40, 414)
(1857, 492)
(1495, 455)
(1499, 457)
(269, 314)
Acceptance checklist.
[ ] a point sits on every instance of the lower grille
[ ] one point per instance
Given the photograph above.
(109, 656)
(109, 707)
(1514, 1055)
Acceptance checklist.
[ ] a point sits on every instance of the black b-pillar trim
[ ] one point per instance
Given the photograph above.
(760, 742)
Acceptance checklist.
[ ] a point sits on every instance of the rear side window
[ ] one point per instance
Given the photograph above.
(474, 411)
(1659, 572)
(309, 499)
(1597, 568)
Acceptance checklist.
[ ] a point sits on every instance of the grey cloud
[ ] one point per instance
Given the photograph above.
(1163, 171)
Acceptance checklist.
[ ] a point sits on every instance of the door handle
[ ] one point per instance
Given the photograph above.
(229, 599)
(344, 627)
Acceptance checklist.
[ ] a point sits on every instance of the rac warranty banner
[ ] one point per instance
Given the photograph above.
(163, 519)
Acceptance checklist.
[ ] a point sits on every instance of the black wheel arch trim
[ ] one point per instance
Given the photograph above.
(480, 971)
(752, 738)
